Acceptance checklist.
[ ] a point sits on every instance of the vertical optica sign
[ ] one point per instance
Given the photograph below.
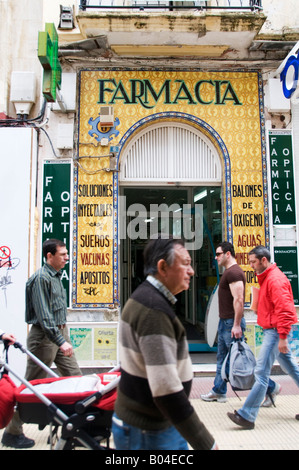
(282, 177)
(56, 207)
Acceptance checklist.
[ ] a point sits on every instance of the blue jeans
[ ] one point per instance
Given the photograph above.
(268, 354)
(128, 437)
(224, 342)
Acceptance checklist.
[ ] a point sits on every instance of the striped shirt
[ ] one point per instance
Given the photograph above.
(46, 302)
(156, 369)
(160, 286)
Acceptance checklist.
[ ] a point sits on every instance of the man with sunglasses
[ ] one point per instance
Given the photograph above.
(231, 294)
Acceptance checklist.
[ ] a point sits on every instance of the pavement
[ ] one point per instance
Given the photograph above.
(275, 428)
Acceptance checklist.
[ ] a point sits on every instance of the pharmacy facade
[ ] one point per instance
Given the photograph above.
(178, 151)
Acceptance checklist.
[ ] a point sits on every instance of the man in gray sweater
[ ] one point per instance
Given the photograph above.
(152, 410)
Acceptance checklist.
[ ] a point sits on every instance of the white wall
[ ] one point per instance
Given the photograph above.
(282, 15)
(18, 152)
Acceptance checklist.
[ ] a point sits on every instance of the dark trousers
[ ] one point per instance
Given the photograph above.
(49, 353)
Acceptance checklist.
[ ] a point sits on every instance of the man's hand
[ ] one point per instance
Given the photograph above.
(67, 349)
(236, 332)
(283, 346)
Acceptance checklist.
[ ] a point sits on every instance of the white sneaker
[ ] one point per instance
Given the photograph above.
(268, 402)
(212, 396)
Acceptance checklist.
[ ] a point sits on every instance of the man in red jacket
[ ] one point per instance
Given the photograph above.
(275, 314)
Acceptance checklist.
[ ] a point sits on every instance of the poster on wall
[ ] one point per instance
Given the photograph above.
(93, 264)
(95, 344)
(254, 335)
(294, 340)
(115, 105)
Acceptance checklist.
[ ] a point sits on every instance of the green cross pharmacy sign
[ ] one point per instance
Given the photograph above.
(48, 57)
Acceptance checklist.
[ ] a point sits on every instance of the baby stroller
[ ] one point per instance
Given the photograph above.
(78, 408)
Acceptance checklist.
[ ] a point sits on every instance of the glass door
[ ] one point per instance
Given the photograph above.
(206, 268)
(149, 210)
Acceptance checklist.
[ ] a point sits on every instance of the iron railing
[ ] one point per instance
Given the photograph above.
(169, 5)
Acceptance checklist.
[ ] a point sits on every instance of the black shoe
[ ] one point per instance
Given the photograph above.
(237, 419)
(18, 442)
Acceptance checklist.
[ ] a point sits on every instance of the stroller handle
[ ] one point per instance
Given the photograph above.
(19, 346)
(81, 405)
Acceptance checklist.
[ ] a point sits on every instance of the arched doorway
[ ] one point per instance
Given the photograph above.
(174, 163)
(170, 152)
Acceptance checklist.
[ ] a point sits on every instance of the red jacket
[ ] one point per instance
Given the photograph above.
(276, 307)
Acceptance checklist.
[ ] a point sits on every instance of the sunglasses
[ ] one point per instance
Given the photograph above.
(219, 253)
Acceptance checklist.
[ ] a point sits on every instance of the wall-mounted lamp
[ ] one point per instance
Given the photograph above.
(22, 92)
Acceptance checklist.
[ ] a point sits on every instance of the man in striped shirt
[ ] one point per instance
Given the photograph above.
(46, 310)
(48, 338)
(152, 410)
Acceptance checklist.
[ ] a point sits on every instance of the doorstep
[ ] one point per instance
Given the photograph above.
(209, 370)
(204, 370)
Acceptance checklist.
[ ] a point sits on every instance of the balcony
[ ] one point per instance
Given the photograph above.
(206, 33)
(168, 5)
(149, 29)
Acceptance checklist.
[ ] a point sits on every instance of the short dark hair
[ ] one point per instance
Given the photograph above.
(227, 246)
(159, 248)
(50, 246)
(261, 252)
